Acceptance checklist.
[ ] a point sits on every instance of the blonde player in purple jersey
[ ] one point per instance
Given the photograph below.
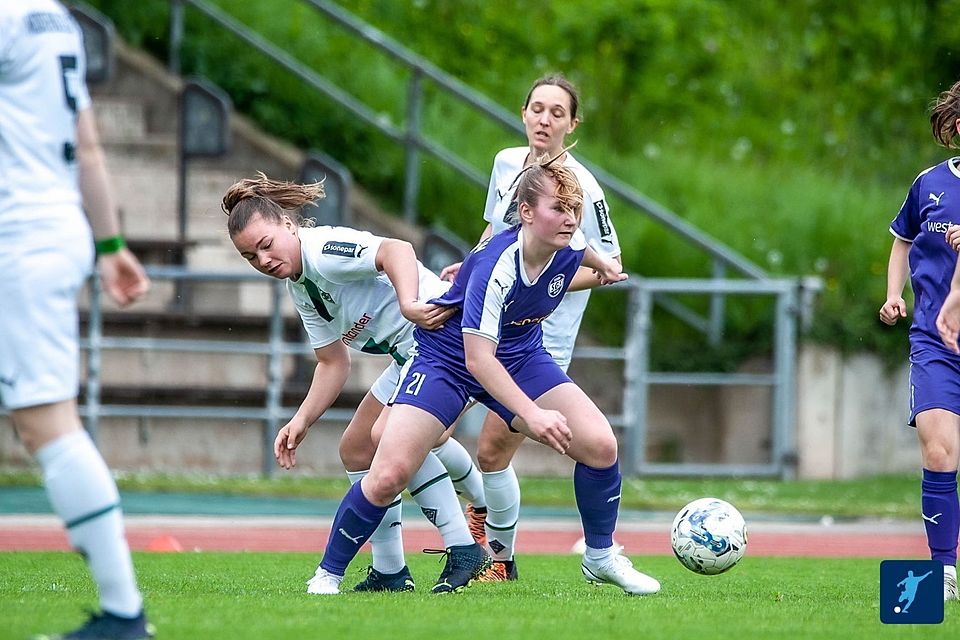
(550, 113)
(492, 350)
(925, 247)
(353, 290)
(52, 172)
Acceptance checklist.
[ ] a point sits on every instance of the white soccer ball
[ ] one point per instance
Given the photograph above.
(709, 536)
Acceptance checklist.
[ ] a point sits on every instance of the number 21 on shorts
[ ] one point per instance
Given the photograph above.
(416, 381)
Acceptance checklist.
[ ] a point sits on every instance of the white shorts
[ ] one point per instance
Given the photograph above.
(43, 264)
(383, 388)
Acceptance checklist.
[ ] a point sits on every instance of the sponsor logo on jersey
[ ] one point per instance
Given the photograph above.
(936, 199)
(345, 249)
(555, 286)
(44, 22)
(525, 321)
(354, 331)
(937, 226)
(603, 221)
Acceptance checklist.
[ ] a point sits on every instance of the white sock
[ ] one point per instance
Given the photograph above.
(464, 474)
(432, 490)
(502, 491)
(83, 493)
(598, 557)
(386, 543)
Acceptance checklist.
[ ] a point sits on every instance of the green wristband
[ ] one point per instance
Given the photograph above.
(109, 245)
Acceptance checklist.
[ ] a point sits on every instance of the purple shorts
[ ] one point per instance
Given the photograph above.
(443, 388)
(934, 382)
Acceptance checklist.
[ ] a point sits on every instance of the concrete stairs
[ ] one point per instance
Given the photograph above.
(136, 116)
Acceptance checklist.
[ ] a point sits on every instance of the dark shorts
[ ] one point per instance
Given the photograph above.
(934, 383)
(443, 389)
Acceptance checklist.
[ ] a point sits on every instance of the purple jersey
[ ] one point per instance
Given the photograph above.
(927, 212)
(498, 301)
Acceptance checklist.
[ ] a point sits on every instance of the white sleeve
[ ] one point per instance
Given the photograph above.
(346, 255)
(320, 332)
(492, 195)
(597, 225)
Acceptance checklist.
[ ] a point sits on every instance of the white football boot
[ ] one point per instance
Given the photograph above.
(324, 583)
(949, 582)
(619, 570)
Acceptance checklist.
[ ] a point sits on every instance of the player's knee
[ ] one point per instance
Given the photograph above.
(354, 455)
(937, 457)
(490, 461)
(382, 485)
(492, 455)
(602, 451)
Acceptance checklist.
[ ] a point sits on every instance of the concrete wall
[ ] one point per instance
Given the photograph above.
(851, 416)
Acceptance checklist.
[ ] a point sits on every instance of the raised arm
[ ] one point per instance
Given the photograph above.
(607, 270)
(329, 376)
(397, 259)
(546, 426)
(587, 278)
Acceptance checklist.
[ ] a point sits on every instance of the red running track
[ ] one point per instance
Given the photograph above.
(781, 540)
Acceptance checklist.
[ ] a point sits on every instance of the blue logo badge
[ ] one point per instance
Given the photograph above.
(911, 592)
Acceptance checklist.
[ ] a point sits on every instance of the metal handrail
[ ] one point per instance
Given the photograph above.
(270, 414)
(633, 356)
(411, 137)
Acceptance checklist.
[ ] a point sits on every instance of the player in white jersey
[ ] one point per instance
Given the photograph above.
(353, 290)
(550, 113)
(51, 163)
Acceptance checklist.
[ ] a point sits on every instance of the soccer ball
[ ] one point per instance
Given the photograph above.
(709, 536)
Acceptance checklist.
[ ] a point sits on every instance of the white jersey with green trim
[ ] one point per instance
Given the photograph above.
(560, 329)
(342, 296)
(42, 89)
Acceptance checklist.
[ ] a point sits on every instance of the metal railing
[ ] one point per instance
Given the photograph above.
(633, 357)
(274, 349)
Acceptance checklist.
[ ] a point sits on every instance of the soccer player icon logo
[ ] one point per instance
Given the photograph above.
(909, 592)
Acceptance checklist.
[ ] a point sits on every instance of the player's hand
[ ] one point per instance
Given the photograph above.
(122, 276)
(450, 272)
(892, 310)
(953, 236)
(426, 315)
(288, 439)
(612, 272)
(948, 321)
(550, 428)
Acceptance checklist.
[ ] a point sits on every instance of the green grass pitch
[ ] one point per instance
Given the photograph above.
(240, 596)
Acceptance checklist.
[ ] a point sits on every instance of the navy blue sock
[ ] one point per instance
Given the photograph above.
(941, 514)
(356, 520)
(598, 500)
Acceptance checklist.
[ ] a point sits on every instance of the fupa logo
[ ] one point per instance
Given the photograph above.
(911, 592)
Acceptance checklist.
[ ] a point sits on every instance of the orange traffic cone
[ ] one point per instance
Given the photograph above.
(164, 543)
